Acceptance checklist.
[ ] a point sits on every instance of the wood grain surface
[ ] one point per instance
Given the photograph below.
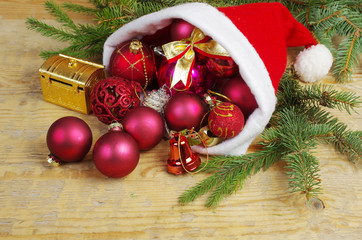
(75, 201)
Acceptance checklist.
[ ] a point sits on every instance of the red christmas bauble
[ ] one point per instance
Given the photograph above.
(223, 68)
(180, 29)
(185, 111)
(198, 83)
(116, 153)
(226, 120)
(134, 61)
(113, 97)
(69, 139)
(145, 125)
(239, 93)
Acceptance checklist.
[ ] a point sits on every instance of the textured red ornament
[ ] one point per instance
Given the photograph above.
(113, 97)
(239, 93)
(223, 68)
(116, 153)
(226, 120)
(199, 81)
(145, 125)
(182, 158)
(185, 111)
(69, 139)
(180, 29)
(134, 61)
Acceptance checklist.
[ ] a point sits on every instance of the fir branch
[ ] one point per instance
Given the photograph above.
(303, 173)
(345, 141)
(347, 57)
(199, 190)
(114, 17)
(59, 14)
(48, 31)
(79, 8)
(324, 95)
(101, 4)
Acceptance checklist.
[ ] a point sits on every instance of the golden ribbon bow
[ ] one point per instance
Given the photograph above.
(183, 52)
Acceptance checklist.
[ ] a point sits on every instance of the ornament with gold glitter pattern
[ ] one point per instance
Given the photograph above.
(133, 60)
(226, 120)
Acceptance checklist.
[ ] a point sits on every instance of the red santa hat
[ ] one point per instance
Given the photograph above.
(257, 37)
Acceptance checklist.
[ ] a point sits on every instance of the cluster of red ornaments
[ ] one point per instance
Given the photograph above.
(135, 69)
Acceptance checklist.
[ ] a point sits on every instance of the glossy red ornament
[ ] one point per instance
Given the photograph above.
(145, 125)
(113, 97)
(239, 93)
(180, 29)
(134, 61)
(116, 153)
(226, 120)
(176, 164)
(185, 111)
(199, 81)
(223, 68)
(69, 139)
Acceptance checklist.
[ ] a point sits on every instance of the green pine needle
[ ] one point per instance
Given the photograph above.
(61, 16)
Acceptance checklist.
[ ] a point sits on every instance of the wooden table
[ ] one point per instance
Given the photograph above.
(75, 201)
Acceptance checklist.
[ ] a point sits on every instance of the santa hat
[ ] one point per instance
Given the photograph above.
(256, 37)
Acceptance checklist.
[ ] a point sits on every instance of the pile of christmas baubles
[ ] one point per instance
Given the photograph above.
(142, 104)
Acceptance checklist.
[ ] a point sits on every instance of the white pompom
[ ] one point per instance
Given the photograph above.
(313, 63)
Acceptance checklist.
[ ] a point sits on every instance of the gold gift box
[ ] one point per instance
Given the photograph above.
(69, 81)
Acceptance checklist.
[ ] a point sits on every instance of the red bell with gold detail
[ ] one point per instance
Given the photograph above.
(182, 158)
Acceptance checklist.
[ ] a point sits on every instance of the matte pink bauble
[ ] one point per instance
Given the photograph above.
(145, 125)
(69, 139)
(116, 153)
(185, 111)
(180, 29)
(198, 83)
(239, 93)
(222, 68)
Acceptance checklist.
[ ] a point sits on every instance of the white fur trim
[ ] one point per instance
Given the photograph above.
(313, 63)
(215, 24)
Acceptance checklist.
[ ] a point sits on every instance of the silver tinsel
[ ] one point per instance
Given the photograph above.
(157, 99)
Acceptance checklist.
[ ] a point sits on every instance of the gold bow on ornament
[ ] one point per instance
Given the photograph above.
(183, 52)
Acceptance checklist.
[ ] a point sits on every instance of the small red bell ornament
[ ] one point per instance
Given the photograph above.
(182, 158)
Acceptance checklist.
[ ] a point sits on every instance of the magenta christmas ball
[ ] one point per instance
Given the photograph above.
(185, 111)
(116, 153)
(180, 29)
(239, 93)
(198, 83)
(69, 139)
(145, 125)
